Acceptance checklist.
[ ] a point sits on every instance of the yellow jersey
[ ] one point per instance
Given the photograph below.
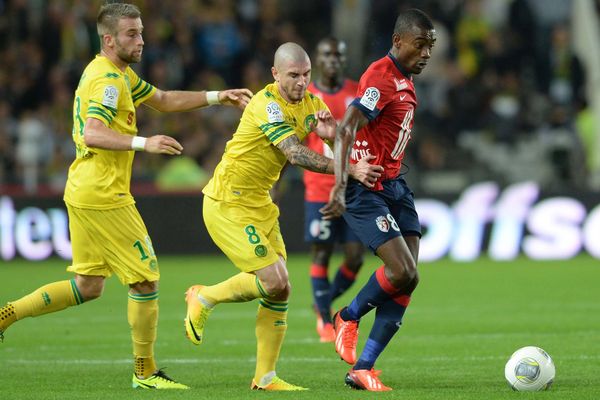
(100, 179)
(252, 163)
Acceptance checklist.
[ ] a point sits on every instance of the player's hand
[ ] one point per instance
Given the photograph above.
(235, 97)
(324, 125)
(337, 203)
(162, 144)
(365, 173)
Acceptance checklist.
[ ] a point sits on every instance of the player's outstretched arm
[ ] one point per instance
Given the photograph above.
(98, 135)
(300, 155)
(162, 144)
(345, 135)
(178, 100)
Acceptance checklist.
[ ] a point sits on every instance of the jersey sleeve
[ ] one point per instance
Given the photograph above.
(271, 121)
(104, 98)
(373, 94)
(140, 89)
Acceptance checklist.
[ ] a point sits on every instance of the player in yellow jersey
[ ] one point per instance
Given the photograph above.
(243, 220)
(108, 235)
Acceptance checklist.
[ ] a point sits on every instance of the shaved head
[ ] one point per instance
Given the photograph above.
(290, 52)
(291, 70)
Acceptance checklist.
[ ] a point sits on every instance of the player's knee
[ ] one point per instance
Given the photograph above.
(144, 287)
(278, 289)
(354, 262)
(413, 282)
(404, 275)
(353, 256)
(90, 287)
(91, 291)
(321, 255)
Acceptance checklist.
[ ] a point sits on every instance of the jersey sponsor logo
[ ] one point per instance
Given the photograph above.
(370, 98)
(111, 96)
(360, 150)
(382, 223)
(402, 96)
(274, 112)
(400, 84)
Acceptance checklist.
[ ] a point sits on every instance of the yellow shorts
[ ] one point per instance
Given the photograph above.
(112, 241)
(249, 236)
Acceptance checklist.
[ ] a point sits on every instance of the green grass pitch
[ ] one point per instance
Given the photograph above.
(464, 322)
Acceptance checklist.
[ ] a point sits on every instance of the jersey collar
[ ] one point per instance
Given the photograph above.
(109, 62)
(279, 96)
(398, 66)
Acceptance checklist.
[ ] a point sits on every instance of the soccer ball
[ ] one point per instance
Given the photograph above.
(529, 369)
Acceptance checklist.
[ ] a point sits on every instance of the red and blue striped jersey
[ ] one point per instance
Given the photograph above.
(386, 96)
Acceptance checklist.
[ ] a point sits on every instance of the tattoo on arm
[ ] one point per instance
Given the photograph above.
(302, 156)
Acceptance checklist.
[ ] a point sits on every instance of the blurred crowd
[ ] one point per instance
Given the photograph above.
(503, 96)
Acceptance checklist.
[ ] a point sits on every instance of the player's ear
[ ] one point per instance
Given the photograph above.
(396, 39)
(107, 40)
(275, 74)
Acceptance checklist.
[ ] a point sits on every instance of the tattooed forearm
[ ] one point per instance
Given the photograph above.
(302, 156)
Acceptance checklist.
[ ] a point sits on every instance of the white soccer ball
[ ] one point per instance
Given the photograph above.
(529, 369)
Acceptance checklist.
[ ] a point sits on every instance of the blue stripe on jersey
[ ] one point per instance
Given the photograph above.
(371, 115)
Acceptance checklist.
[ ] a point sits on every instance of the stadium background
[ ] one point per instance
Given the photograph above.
(504, 148)
(504, 162)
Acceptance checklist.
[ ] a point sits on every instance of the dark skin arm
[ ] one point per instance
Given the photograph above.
(353, 121)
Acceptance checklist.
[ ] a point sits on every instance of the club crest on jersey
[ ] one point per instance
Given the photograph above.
(260, 250)
(111, 96)
(308, 121)
(382, 224)
(274, 112)
(370, 98)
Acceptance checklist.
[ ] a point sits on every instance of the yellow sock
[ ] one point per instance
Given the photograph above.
(142, 315)
(49, 298)
(239, 288)
(7, 317)
(271, 324)
(144, 366)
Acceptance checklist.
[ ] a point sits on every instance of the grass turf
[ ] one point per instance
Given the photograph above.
(463, 324)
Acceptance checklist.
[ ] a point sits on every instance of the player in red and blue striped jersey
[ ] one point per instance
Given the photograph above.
(379, 123)
(337, 92)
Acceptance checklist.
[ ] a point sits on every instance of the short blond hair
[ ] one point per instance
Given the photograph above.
(110, 14)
